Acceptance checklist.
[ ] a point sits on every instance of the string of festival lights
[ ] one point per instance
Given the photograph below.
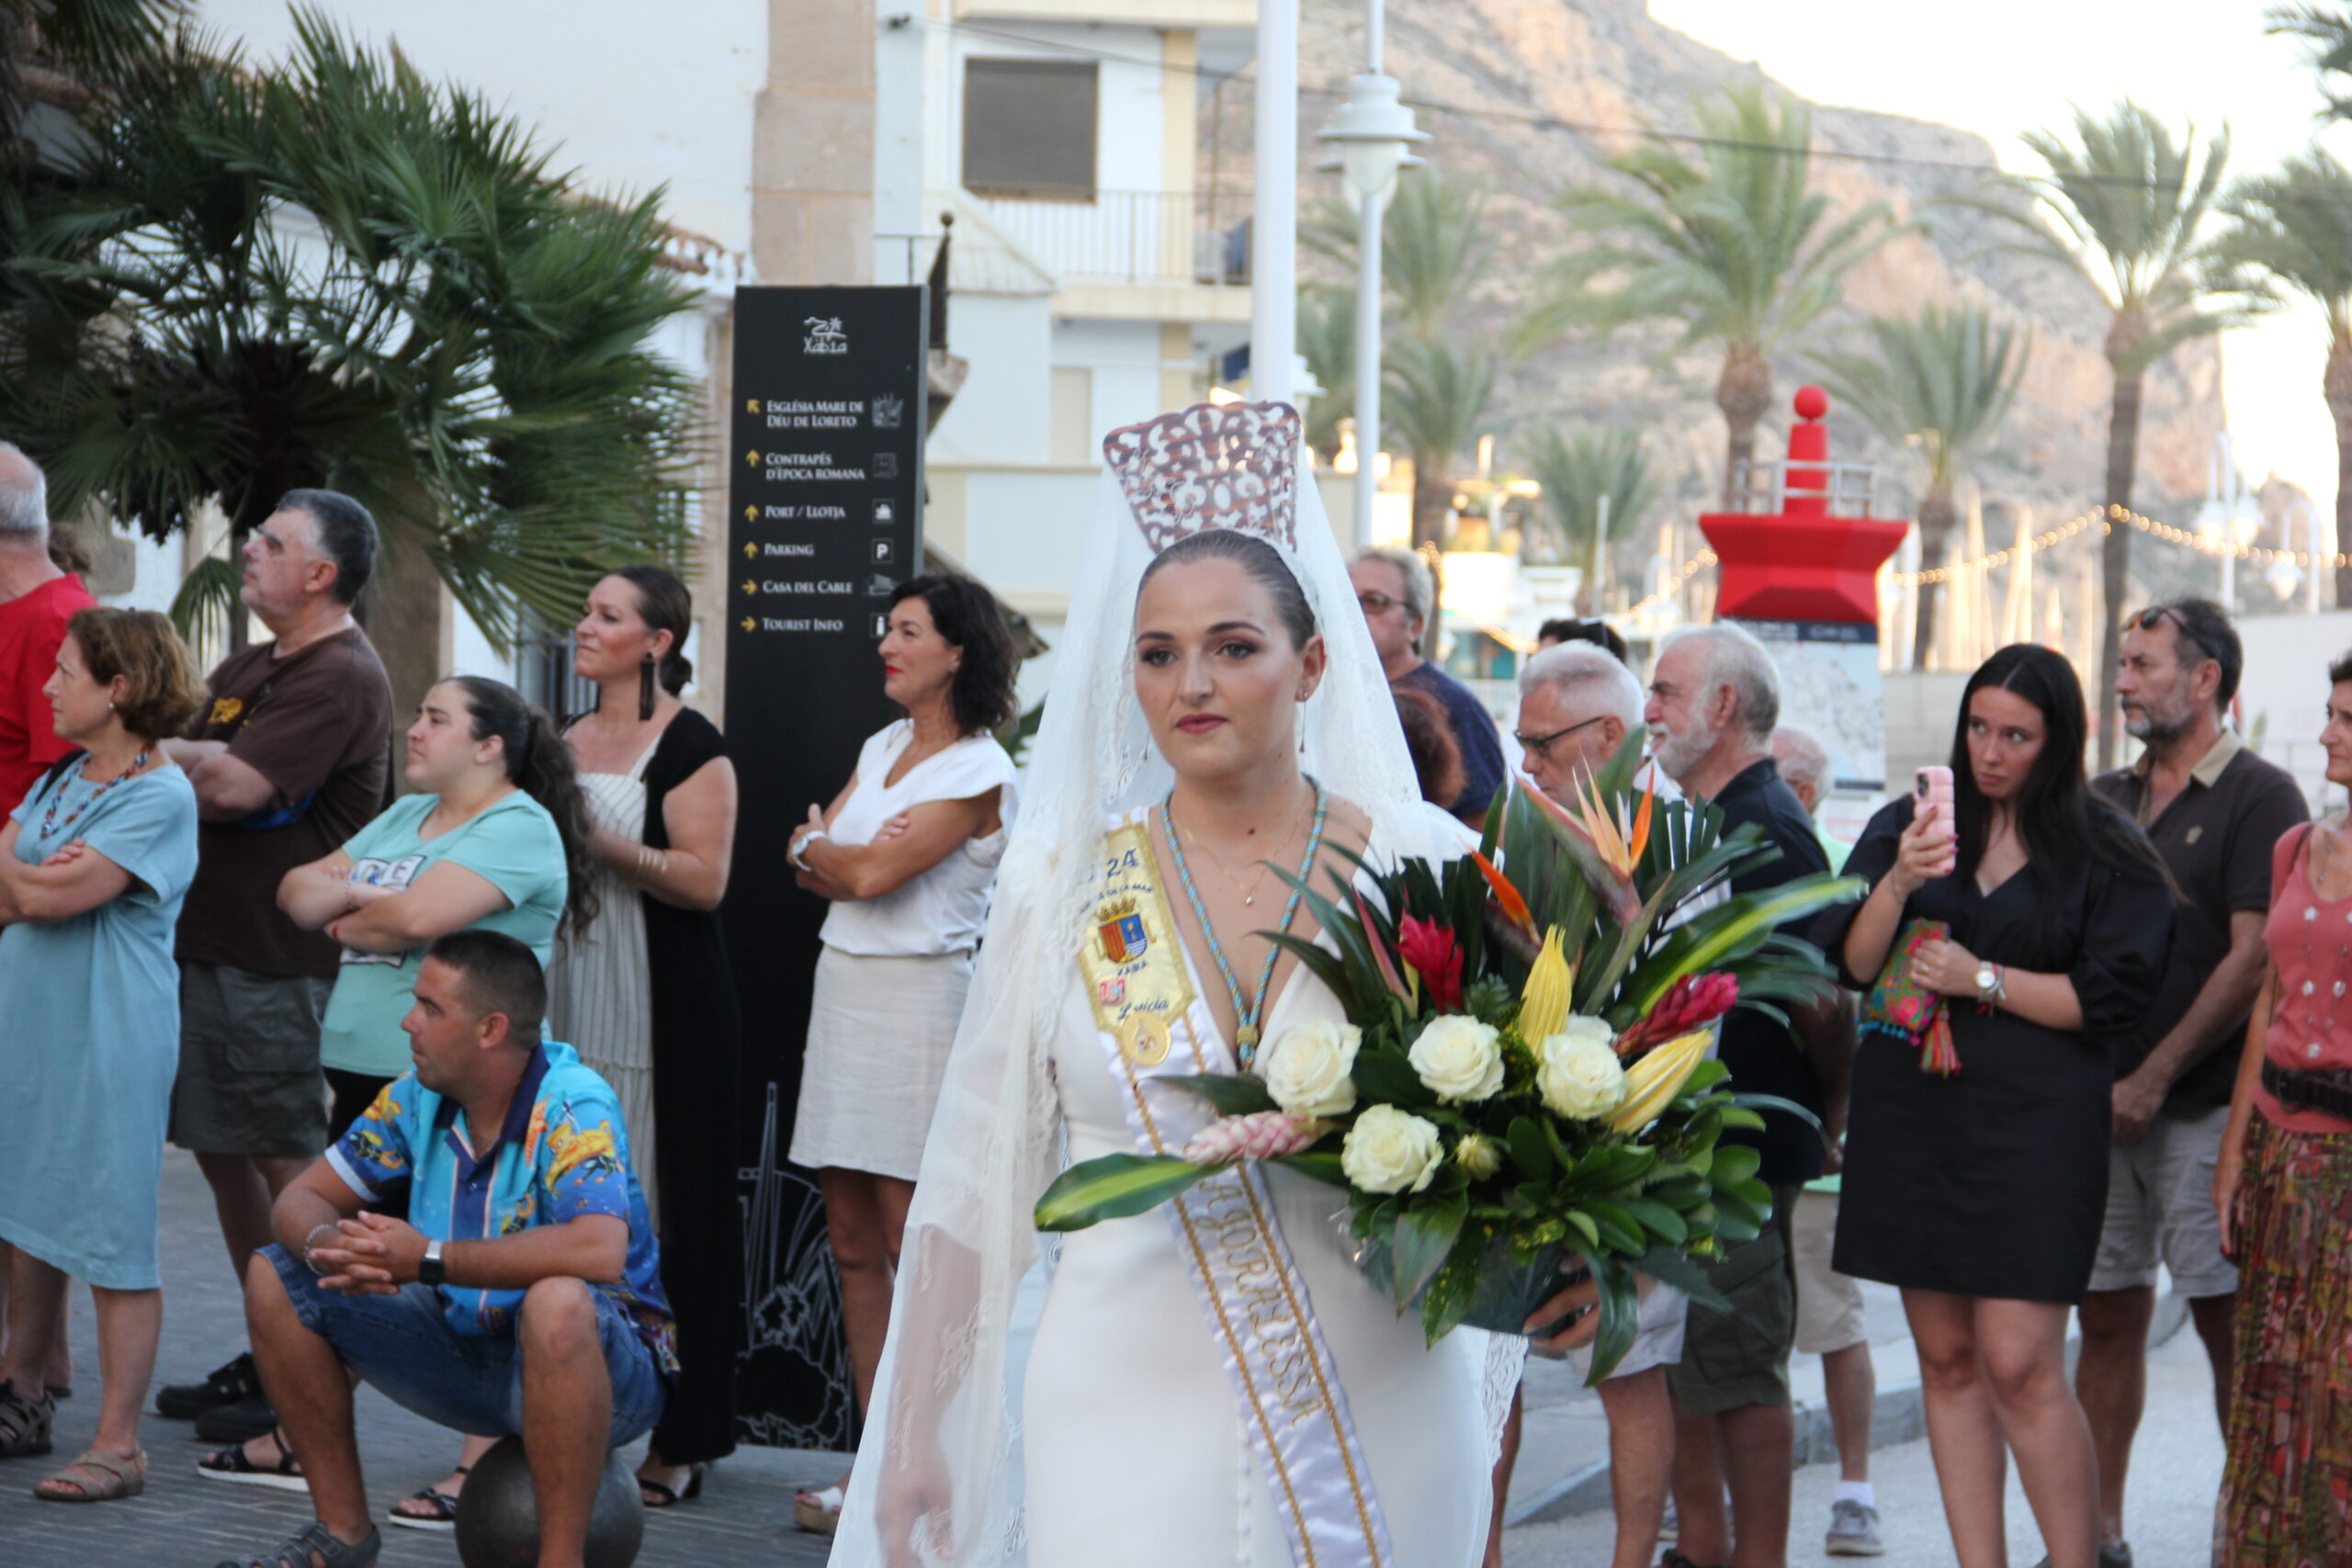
(2103, 519)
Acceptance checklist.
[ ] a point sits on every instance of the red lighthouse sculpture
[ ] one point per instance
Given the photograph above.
(1799, 562)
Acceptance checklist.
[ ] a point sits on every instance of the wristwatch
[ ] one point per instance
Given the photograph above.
(429, 1270)
(1990, 987)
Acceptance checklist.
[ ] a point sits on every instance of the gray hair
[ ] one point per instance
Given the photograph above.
(1573, 667)
(1731, 657)
(1803, 758)
(24, 495)
(1419, 589)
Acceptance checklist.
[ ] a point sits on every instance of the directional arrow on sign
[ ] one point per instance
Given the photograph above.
(750, 549)
(750, 623)
(750, 405)
(751, 514)
(749, 585)
(752, 458)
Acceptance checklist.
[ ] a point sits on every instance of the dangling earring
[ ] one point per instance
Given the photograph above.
(645, 689)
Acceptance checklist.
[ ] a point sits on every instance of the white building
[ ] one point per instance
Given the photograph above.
(1096, 275)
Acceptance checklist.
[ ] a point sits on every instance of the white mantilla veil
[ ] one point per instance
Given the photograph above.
(939, 1431)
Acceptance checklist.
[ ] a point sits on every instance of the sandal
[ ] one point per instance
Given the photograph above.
(25, 1424)
(820, 1513)
(103, 1478)
(440, 1507)
(655, 1495)
(230, 1464)
(297, 1551)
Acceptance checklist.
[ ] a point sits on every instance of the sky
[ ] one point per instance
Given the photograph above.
(2002, 67)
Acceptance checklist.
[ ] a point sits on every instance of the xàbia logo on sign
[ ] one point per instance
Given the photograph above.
(825, 337)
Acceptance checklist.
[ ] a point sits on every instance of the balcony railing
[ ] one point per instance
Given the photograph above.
(1850, 489)
(1153, 237)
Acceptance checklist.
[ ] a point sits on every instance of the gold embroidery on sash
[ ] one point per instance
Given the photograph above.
(1135, 977)
(1140, 985)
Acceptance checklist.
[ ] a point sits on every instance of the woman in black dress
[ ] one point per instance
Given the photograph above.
(1981, 1192)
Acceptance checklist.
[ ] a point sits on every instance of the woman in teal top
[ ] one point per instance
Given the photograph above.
(93, 867)
(497, 840)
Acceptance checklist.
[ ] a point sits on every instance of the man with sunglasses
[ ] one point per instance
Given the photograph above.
(1394, 590)
(2213, 811)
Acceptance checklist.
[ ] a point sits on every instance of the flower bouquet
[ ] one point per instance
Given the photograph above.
(1522, 1079)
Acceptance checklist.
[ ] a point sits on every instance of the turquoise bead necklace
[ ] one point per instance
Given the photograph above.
(1246, 1013)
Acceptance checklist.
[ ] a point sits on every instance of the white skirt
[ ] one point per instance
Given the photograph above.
(879, 1030)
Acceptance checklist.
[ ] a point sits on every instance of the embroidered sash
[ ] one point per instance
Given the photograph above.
(1251, 1295)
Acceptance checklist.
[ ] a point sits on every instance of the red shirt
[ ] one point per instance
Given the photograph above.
(31, 625)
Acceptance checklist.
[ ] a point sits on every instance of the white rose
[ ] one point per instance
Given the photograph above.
(1390, 1150)
(1459, 1059)
(1580, 1079)
(1581, 1028)
(1306, 1068)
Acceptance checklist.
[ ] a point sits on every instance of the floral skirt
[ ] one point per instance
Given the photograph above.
(2287, 1493)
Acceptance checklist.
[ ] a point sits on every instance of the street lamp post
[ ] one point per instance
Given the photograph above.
(1372, 130)
(1273, 227)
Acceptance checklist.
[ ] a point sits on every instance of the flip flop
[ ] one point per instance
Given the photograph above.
(443, 1506)
(820, 1513)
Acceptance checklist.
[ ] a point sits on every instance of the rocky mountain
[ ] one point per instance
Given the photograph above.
(1529, 97)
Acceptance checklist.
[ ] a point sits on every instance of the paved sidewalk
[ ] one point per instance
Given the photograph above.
(744, 1516)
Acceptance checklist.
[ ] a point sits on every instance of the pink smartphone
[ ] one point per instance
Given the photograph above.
(1932, 791)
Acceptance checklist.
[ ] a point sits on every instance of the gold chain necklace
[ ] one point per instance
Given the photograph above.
(1249, 893)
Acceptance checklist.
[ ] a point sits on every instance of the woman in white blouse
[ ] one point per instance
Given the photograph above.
(908, 905)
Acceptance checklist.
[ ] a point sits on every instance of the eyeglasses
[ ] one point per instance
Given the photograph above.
(1377, 604)
(2155, 616)
(1541, 745)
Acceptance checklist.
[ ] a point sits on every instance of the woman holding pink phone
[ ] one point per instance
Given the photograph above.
(2008, 933)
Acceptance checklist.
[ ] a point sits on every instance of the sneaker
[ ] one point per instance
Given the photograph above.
(225, 1384)
(1670, 1527)
(1853, 1531)
(248, 1417)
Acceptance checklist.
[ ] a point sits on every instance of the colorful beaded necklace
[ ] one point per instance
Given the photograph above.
(1246, 1013)
(48, 818)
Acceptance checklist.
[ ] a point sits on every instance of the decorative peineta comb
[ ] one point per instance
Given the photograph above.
(1210, 466)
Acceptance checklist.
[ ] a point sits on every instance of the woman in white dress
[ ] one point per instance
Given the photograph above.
(1212, 1382)
(908, 853)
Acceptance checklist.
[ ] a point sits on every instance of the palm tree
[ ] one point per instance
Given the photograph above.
(1435, 399)
(1326, 340)
(1433, 246)
(1733, 246)
(335, 273)
(2294, 229)
(2326, 32)
(61, 53)
(1577, 472)
(2130, 204)
(1937, 386)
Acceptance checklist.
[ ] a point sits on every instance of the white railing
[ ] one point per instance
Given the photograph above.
(1133, 236)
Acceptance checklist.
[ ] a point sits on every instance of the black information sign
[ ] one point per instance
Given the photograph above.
(827, 456)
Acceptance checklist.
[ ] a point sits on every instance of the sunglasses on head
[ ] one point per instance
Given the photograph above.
(2155, 615)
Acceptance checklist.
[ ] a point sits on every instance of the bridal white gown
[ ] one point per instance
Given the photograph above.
(1136, 1452)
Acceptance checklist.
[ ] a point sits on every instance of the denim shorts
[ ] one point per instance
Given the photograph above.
(403, 1347)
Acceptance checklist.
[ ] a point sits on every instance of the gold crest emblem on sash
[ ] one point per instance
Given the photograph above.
(1136, 981)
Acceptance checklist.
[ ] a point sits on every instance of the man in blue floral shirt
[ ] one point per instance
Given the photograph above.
(523, 1296)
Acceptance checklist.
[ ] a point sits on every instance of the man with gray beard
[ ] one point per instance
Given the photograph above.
(1714, 699)
(2213, 811)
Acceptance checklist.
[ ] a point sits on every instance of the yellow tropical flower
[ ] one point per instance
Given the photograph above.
(1620, 837)
(1652, 1083)
(1543, 1005)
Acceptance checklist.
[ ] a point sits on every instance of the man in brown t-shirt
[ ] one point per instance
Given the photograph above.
(290, 757)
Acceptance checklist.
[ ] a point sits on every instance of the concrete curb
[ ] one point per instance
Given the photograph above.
(1899, 1416)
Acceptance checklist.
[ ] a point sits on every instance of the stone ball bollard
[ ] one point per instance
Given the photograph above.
(498, 1514)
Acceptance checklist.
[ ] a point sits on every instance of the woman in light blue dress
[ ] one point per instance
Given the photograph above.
(93, 868)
